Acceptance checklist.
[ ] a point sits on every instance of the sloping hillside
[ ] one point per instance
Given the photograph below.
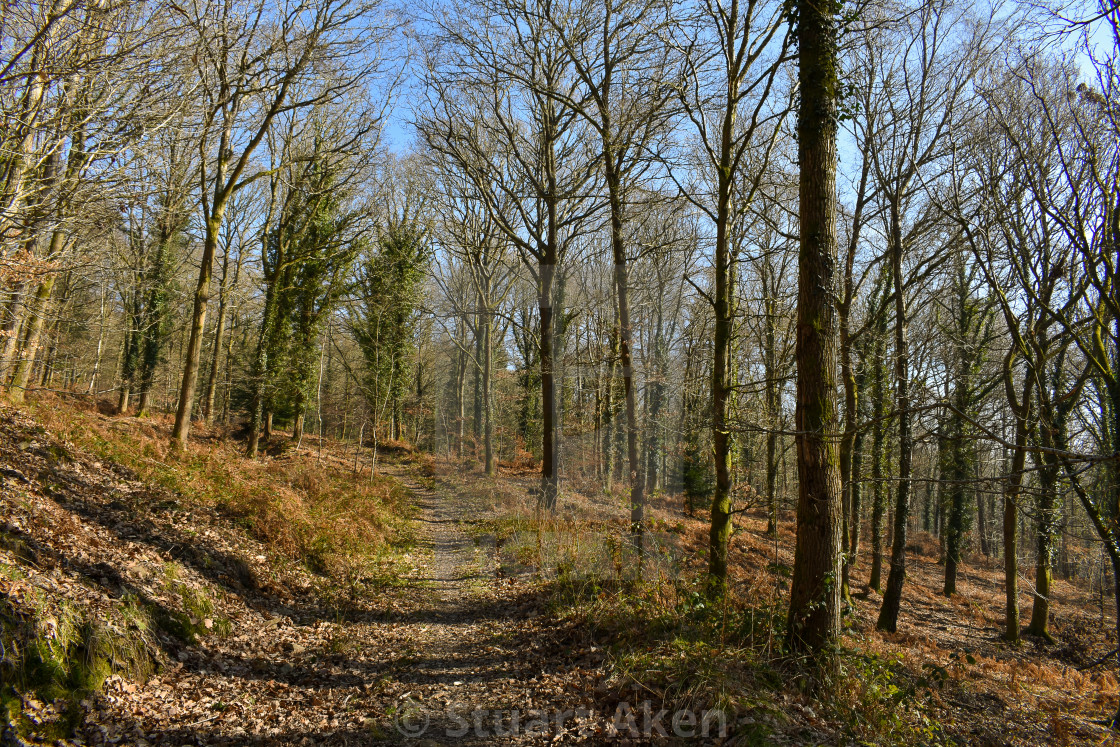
(280, 602)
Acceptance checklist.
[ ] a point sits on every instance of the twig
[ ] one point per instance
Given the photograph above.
(1100, 661)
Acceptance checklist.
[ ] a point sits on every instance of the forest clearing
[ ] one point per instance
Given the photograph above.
(533, 371)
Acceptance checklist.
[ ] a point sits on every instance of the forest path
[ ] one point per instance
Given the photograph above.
(481, 664)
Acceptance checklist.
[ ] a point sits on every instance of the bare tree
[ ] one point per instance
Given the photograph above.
(255, 62)
(917, 84)
(733, 57)
(623, 69)
(469, 233)
(497, 75)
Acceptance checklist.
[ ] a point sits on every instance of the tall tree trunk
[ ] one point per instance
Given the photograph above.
(219, 335)
(262, 364)
(198, 324)
(37, 311)
(849, 467)
(92, 389)
(1011, 492)
(857, 501)
(773, 409)
(878, 502)
(1044, 564)
(982, 525)
(460, 401)
(610, 411)
(548, 387)
(719, 534)
(892, 597)
(226, 414)
(625, 346)
(487, 393)
(654, 446)
(847, 449)
(814, 611)
(1051, 435)
(772, 481)
(957, 472)
(954, 534)
(215, 362)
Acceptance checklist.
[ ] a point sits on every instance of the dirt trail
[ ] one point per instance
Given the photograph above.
(457, 559)
(484, 675)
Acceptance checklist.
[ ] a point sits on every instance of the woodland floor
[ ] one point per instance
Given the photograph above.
(460, 631)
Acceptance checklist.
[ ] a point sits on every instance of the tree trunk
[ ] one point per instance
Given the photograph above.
(609, 413)
(226, 414)
(892, 598)
(982, 525)
(37, 311)
(847, 449)
(548, 388)
(487, 393)
(772, 481)
(1011, 493)
(954, 535)
(92, 389)
(198, 324)
(654, 446)
(1050, 432)
(14, 311)
(719, 534)
(955, 473)
(625, 349)
(219, 335)
(814, 611)
(460, 401)
(476, 420)
(261, 362)
(1044, 565)
(857, 501)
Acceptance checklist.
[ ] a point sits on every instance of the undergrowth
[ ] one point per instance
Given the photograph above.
(53, 651)
(668, 642)
(338, 524)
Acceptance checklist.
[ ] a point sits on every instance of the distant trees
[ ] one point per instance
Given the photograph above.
(157, 234)
(917, 88)
(261, 65)
(968, 319)
(389, 282)
(314, 230)
(478, 262)
(526, 154)
(387, 299)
